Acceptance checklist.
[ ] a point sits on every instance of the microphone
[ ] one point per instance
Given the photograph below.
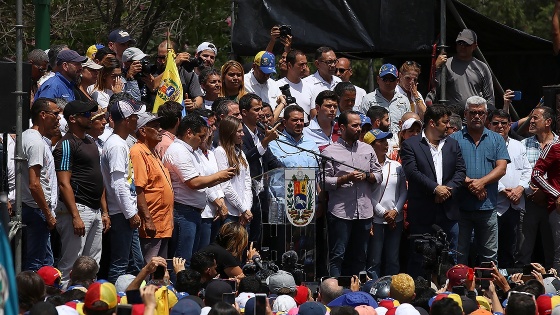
(262, 126)
(289, 258)
(257, 261)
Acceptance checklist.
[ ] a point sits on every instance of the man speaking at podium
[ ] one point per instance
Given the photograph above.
(350, 190)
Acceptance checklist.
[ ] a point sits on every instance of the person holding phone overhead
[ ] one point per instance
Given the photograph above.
(237, 190)
(189, 185)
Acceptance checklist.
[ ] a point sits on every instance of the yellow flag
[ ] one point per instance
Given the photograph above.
(170, 88)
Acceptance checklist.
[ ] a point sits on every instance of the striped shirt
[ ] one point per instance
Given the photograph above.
(480, 160)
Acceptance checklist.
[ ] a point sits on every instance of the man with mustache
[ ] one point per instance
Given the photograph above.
(486, 157)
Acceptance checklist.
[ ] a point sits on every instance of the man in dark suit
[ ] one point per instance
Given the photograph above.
(261, 160)
(435, 169)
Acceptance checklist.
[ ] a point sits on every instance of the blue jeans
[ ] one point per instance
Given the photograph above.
(484, 223)
(384, 247)
(205, 233)
(126, 255)
(341, 234)
(415, 260)
(38, 252)
(186, 233)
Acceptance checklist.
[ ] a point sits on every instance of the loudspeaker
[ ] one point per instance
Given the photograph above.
(551, 98)
(8, 98)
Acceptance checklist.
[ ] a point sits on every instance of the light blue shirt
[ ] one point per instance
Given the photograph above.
(316, 134)
(292, 156)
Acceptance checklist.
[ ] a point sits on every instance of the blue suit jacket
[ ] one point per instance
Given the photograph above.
(269, 161)
(421, 175)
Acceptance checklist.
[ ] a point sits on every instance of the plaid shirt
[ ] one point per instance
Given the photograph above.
(534, 148)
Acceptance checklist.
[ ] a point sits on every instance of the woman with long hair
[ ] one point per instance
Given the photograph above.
(237, 191)
(389, 198)
(109, 81)
(231, 241)
(233, 86)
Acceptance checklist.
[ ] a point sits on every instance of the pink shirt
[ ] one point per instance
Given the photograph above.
(166, 140)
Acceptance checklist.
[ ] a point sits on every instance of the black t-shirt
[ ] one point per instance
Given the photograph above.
(224, 259)
(81, 157)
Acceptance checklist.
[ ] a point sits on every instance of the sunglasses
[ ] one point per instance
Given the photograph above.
(501, 123)
(388, 78)
(477, 112)
(413, 63)
(341, 70)
(510, 293)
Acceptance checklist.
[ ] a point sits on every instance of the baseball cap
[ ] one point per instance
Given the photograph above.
(186, 307)
(376, 134)
(207, 46)
(120, 36)
(365, 310)
(388, 69)
(123, 281)
(90, 52)
(353, 299)
(389, 303)
(283, 303)
(92, 65)
(51, 276)
(459, 274)
(101, 291)
(455, 297)
(312, 308)
(214, 291)
(480, 311)
(409, 122)
(301, 295)
(132, 54)
(406, 309)
(77, 107)
(279, 280)
(265, 61)
(364, 119)
(483, 303)
(69, 55)
(125, 108)
(467, 35)
(242, 298)
(546, 302)
(144, 118)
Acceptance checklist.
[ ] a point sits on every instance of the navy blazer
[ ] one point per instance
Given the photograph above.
(269, 161)
(421, 175)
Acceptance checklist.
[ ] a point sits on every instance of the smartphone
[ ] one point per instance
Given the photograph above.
(483, 273)
(134, 297)
(229, 298)
(344, 281)
(527, 269)
(232, 284)
(124, 309)
(169, 265)
(159, 273)
(516, 95)
(460, 290)
(363, 277)
(260, 304)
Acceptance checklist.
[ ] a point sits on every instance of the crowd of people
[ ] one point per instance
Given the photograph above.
(173, 194)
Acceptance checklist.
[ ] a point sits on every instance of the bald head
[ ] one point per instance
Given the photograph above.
(329, 290)
(407, 116)
(344, 69)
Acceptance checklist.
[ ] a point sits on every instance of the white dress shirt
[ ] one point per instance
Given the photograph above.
(237, 191)
(210, 166)
(518, 173)
(268, 91)
(437, 157)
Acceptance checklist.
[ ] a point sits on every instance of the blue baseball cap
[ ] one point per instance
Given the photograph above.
(388, 69)
(376, 134)
(364, 119)
(265, 61)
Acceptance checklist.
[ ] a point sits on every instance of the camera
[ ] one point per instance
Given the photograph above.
(193, 62)
(261, 269)
(145, 69)
(285, 89)
(434, 250)
(285, 30)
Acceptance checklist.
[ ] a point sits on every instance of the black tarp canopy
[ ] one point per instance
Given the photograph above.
(397, 31)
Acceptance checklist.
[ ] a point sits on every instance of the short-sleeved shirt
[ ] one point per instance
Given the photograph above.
(154, 179)
(115, 159)
(183, 165)
(224, 259)
(81, 157)
(37, 152)
(301, 91)
(268, 91)
(480, 160)
(318, 85)
(57, 87)
(397, 107)
(316, 133)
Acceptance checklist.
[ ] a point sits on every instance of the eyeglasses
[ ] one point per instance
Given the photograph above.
(341, 70)
(160, 57)
(329, 63)
(510, 293)
(477, 112)
(413, 63)
(502, 123)
(463, 43)
(388, 78)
